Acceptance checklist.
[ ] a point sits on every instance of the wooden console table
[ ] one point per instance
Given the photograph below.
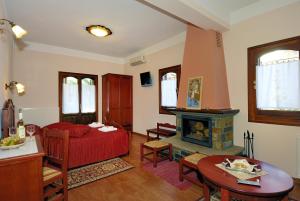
(21, 174)
(274, 186)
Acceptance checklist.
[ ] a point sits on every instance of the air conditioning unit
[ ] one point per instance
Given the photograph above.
(137, 60)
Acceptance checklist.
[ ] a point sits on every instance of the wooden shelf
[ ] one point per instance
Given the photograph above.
(210, 111)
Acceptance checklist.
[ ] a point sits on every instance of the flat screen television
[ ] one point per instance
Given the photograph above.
(146, 79)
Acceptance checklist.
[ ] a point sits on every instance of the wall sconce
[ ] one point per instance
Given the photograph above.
(16, 29)
(13, 84)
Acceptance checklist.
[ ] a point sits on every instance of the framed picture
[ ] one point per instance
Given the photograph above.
(194, 93)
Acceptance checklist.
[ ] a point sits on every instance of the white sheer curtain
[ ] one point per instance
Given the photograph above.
(70, 98)
(168, 93)
(278, 86)
(88, 98)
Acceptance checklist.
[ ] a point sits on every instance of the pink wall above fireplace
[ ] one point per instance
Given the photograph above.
(202, 57)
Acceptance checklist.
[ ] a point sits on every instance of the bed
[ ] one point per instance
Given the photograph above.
(89, 145)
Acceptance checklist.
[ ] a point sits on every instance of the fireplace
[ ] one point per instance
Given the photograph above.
(190, 126)
(197, 130)
(208, 128)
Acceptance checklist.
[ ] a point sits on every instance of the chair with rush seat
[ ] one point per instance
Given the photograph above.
(55, 178)
(156, 147)
(190, 163)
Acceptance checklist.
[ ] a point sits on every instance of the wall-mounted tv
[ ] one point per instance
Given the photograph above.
(146, 79)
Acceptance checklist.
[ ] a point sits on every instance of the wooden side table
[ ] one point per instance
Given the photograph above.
(276, 185)
(156, 147)
(21, 176)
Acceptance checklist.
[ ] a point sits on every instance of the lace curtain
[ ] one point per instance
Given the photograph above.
(88, 98)
(70, 98)
(278, 86)
(168, 93)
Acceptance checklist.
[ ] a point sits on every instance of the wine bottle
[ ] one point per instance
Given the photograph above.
(21, 126)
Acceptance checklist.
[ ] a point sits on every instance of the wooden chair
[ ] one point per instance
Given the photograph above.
(156, 147)
(190, 163)
(55, 170)
(163, 129)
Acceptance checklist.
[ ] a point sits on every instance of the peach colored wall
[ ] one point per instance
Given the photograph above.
(5, 60)
(145, 99)
(202, 57)
(39, 73)
(273, 143)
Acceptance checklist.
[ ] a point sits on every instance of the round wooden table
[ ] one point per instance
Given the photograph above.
(274, 186)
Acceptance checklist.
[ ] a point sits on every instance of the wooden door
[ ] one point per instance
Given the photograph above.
(114, 98)
(126, 101)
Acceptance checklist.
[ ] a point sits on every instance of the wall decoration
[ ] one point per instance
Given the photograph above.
(194, 93)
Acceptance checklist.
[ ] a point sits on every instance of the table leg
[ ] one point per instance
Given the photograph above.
(206, 192)
(286, 198)
(225, 196)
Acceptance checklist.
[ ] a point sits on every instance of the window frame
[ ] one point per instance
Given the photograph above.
(161, 72)
(80, 77)
(269, 116)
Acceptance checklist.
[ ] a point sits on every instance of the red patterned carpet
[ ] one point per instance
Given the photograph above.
(169, 171)
(93, 172)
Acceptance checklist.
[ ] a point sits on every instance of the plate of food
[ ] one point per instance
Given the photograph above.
(241, 165)
(11, 142)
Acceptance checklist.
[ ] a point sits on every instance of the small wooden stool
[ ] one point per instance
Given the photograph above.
(156, 147)
(190, 162)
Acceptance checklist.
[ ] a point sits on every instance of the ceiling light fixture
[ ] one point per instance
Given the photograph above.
(17, 30)
(98, 30)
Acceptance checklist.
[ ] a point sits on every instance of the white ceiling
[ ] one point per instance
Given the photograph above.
(136, 24)
(62, 23)
(224, 8)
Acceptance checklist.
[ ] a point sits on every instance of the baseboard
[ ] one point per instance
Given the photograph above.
(296, 180)
(135, 133)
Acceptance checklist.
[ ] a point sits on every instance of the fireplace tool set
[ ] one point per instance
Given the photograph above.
(248, 145)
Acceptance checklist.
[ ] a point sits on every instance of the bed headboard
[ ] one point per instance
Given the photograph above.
(41, 116)
(8, 117)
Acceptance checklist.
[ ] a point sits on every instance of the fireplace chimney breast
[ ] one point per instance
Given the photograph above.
(204, 56)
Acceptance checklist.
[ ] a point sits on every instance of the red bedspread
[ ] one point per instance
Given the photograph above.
(89, 145)
(97, 146)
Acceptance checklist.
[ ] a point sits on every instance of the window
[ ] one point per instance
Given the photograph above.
(169, 79)
(70, 96)
(78, 97)
(274, 82)
(88, 91)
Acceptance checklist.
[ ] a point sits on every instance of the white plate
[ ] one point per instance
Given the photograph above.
(12, 146)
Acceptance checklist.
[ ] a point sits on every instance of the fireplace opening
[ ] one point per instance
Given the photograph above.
(197, 130)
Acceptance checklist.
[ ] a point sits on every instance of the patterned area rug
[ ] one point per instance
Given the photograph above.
(93, 172)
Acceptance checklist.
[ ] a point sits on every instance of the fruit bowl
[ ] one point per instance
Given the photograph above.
(11, 143)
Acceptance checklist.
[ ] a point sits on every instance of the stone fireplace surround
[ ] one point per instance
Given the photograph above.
(222, 133)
